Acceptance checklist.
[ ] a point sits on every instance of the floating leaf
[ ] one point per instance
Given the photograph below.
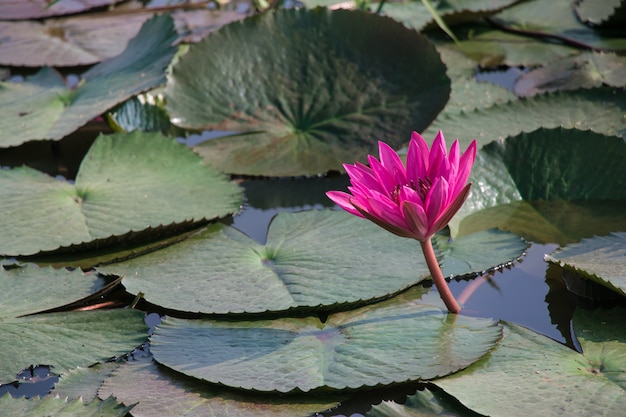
(84, 382)
(34, 9)
(600, 259)
(390, 342)
(175, 395)
(605, 14)
(598, 109)
(586, 70)
(126, 183)
(55, 406)
(415, 15)
(61, 340)
(44, 108)
(533, 373)
(547, 164)
(331, 85)
(424, 403)
(313, 258)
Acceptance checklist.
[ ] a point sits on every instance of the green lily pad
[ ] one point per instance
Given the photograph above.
(127, 183)
(544, 165)
(311, 259)
(587, 70)
(415, 15)
(600, 259)
(83, 382)
(605, 14)
(530, 372)
(44, 108)
(32, 9)
(598, 109)
(333, 83)
(428, 402)
(390, 342)
(55, 406)
(172, 394)
(61, 340)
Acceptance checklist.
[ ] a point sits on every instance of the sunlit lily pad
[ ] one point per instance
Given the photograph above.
(62, 340)
(545, 165)
(586, 70)
(394, 341)
(600, 259)
(126, 183)
(173, 395)
(43, 107)
(313, 258)
(429, 402)
(598, 109)
(84, 382)
(534, 374)
(331, 85)
(55, 406)
(32, 9)
(604, 14)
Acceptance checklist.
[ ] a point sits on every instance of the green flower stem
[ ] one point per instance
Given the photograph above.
(440, 282)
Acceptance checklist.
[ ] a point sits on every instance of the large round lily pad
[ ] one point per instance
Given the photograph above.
(394, 341)
(331, 84)
(126, 183)
(530, 374)
(311, 259)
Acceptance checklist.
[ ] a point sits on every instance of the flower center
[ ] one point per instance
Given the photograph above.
(422, 188)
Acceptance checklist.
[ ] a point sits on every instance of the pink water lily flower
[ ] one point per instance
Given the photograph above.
(415, 201)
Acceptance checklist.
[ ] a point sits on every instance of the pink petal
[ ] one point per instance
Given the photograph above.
(361, 174)
(465, 166)
(386, 180)
(438, 157)
(416, 219)
(451, 210)
(400, 231)
(437, 199)
(343, 200)
(392, 163)
(417, 158)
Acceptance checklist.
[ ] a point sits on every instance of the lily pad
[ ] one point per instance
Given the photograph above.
(535, 374)
(127, 183)
(44, 108)
(606, 14)
(600, 259)
(394, 341)
(172, 394)
(61, 340)
(598, 109)
(34, 9)
(333, 83)
(428, 402)
(55, 406)
(547, 164)
(83, 382)
(311, 259)
(586, 70)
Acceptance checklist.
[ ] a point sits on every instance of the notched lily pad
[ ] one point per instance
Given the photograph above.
(549, 379)
(320, 259)
(141, 378)
(600, 259)
(42, 107)
(545, 166)
(35, 9)
(333, 83)
(126, 183)
(391, 342)
(55, 406)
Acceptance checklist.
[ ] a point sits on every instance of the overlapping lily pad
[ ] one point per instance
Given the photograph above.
(535, 374)
(43, 107)
(394, 341)
(544, 165)
(598, 109)
(314, 258)
(30, 9)
(172, 394)
(600, 259)
(55, 406)
(126, 183)
(61, 340)
(331, 85)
